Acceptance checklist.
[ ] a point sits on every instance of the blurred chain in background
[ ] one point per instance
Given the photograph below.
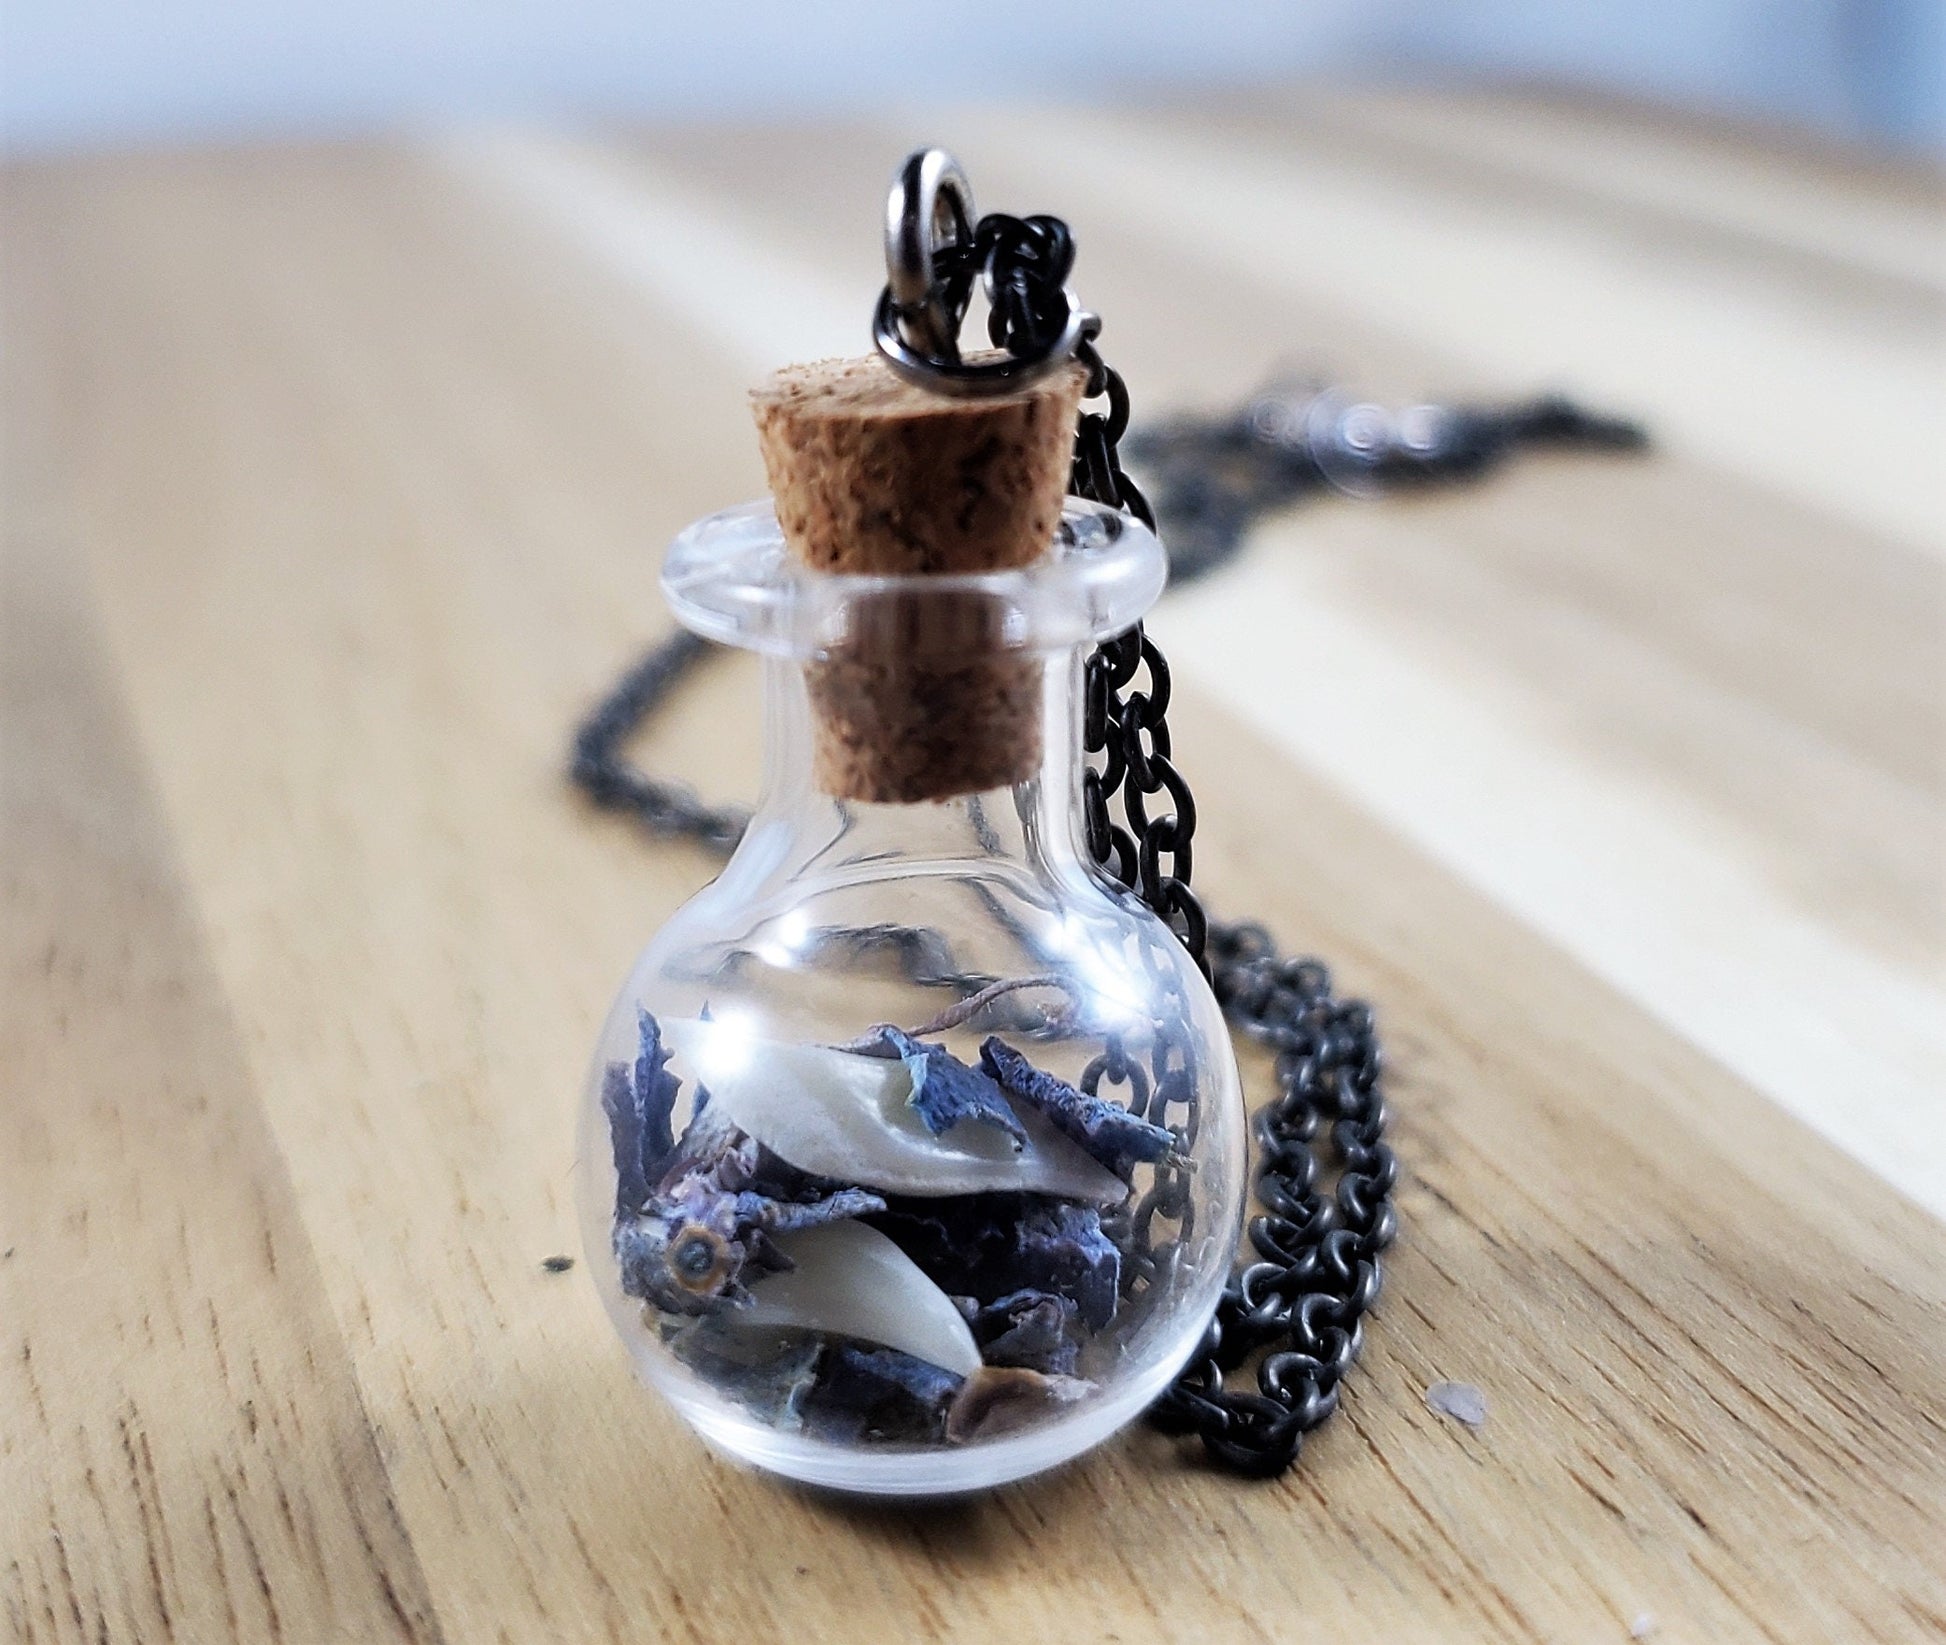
(1212, 478)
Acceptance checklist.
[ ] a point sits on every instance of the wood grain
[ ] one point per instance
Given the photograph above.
(334, 489)
(188, 1454)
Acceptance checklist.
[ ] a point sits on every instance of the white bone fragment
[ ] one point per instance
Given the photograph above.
(846, 1116)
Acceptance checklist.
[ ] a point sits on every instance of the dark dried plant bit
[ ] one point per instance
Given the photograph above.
(624, 1137)
(640, 1099)
(779, 1216)
(685, 1251)
(772, 1385)
(1062, 1248)
(695, 1245)
(988, 1246)
(945, 1091)
(1031, 1330)
(1004, 994)
(1115, 1138)
(687, 1241)
(879, 1394)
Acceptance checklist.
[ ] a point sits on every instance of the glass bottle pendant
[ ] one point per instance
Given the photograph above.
(912, 1153)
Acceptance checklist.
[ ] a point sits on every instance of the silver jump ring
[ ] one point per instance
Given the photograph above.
(929, 208)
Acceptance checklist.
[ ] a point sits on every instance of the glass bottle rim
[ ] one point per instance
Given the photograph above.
(730, 578)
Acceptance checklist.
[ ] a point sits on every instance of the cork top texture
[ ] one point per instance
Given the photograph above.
(872, 474)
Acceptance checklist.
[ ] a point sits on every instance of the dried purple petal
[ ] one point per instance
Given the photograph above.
(639, 1100)
(773, 1385)
(710, 1216)
(1034, 1330)
(989, 1246)
(681, 1250)
(945, 1091)
(624, 1138)
(788, 1216)
(655, 1087)
(1061, 1248)
(1115, 1138)
(879, 1394)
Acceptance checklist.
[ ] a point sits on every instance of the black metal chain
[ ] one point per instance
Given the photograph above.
(669, 809)
(1304, 1301)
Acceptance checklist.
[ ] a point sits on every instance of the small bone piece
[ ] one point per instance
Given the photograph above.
(852, 1281)
(846, 1117)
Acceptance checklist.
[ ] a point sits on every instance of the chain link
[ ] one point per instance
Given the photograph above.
(1302, 1304)
(1213, 477)
(1304, 1301)
(604, 773)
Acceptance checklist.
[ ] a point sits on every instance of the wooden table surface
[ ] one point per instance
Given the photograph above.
(335, 483)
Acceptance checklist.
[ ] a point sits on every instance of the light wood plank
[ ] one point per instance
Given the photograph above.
(185, 1452)
(1860, 228)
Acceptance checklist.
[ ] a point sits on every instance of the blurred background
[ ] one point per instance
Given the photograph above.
(105, 71)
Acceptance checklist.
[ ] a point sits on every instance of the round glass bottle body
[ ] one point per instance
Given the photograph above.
(912, 1153)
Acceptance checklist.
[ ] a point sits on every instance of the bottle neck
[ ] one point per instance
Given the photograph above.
(801, 831)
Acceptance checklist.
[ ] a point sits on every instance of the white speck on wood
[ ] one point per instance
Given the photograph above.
(1459, 1400)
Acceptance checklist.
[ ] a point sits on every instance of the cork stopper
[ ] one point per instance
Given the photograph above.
(872, 475)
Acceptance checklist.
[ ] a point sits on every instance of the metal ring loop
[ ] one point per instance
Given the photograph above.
(999, 375)
(929, 208)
